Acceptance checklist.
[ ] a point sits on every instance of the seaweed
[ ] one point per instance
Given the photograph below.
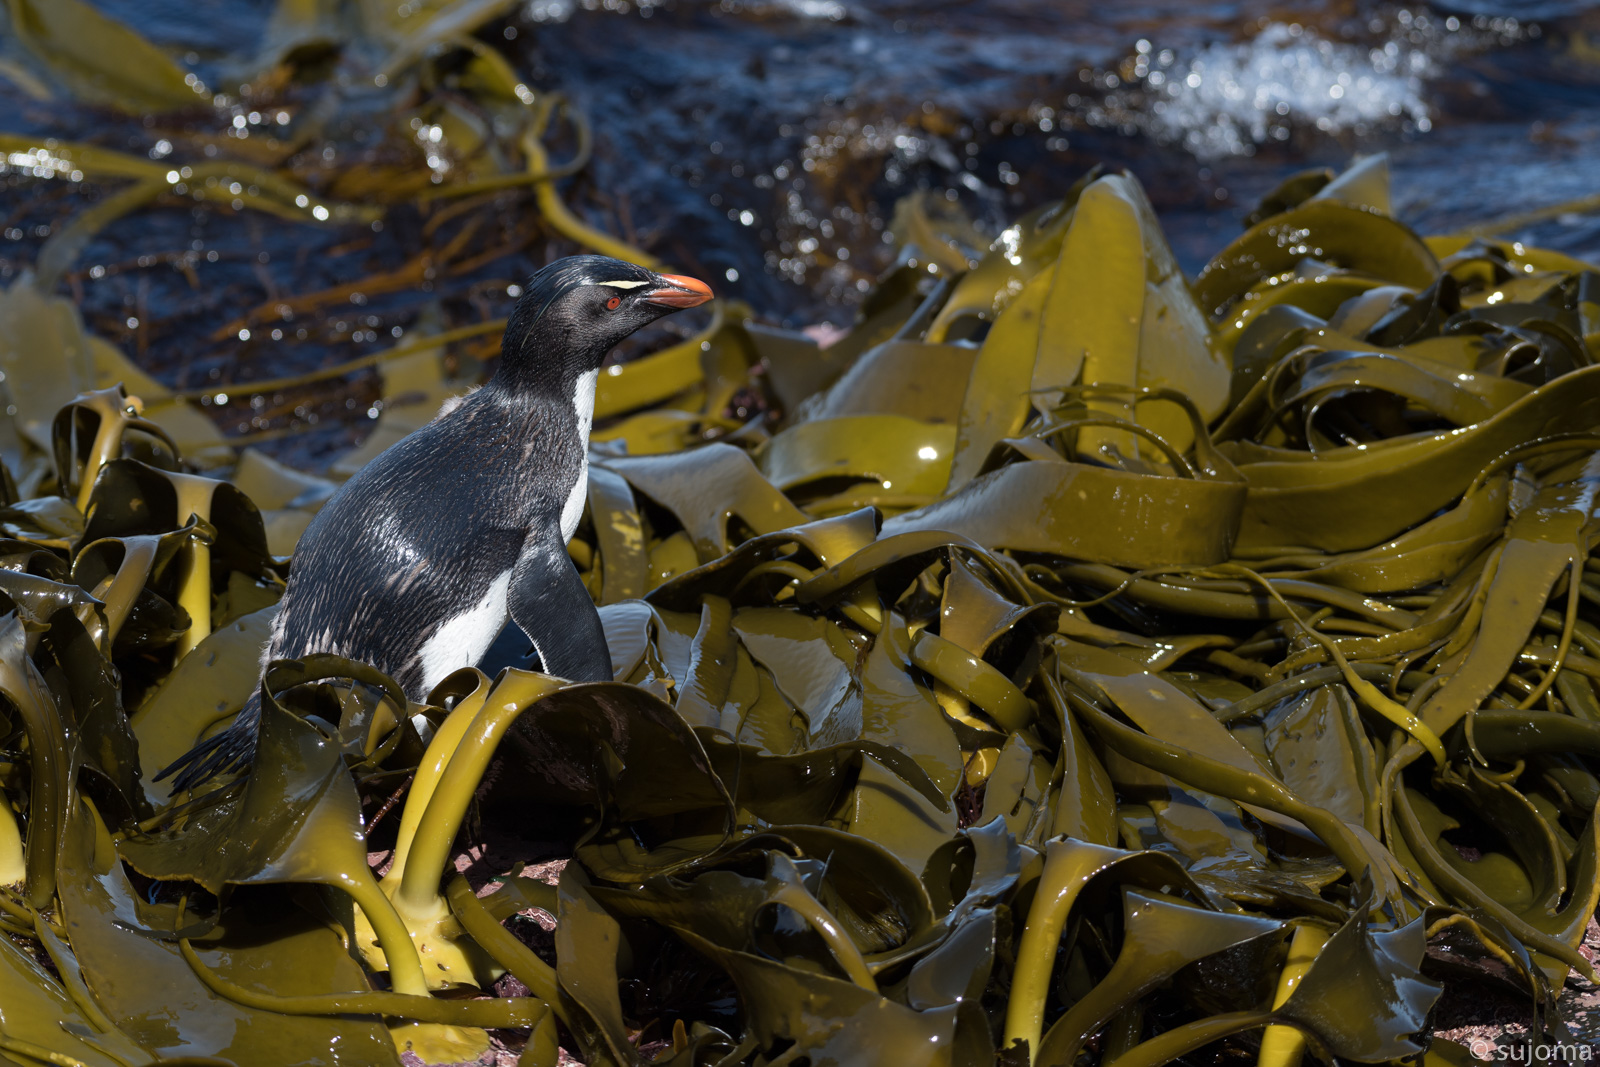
(1069, 663)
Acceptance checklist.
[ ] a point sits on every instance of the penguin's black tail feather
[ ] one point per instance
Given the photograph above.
(231, 749)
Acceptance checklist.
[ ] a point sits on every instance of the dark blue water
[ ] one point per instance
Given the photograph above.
(709, 113)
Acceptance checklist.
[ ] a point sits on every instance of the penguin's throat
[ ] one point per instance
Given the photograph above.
(552, 383)
(549, 358)
(566, 411)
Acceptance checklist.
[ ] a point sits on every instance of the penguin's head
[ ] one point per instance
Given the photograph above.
(577, 309)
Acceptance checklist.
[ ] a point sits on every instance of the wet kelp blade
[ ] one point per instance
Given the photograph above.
(1153, 522)
(1329, 231)
(1322, 506)
(143, 982)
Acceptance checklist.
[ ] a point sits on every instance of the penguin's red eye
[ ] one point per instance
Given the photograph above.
(614, 303)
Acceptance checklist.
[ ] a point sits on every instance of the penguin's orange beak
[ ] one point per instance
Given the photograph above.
(679, 292)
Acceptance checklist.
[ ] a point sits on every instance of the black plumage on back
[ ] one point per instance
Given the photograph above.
(414, 565)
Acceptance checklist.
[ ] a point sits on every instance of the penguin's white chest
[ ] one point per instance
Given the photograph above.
(464, 638)
(583, 413)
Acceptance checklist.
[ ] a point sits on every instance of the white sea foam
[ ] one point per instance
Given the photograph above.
(562, 10)
(814, 9)
(550, 10)
(1231, 97)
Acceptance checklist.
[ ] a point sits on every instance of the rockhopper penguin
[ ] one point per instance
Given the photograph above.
(415, 563)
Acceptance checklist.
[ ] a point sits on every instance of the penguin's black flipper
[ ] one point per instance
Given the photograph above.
(231, 749)
(548, 600)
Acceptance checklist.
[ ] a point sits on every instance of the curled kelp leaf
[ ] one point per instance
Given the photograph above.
(1319, 506)
(89, 433)
(133, 975)
(1329, 231)
(1023, 249)
(305, 827)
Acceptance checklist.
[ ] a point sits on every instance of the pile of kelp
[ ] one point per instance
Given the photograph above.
(1089, 664)
(1071, 661)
